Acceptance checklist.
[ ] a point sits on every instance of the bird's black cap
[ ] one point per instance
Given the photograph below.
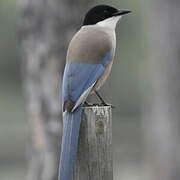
(102, 12)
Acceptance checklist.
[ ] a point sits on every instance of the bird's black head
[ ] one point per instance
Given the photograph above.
(102, 12)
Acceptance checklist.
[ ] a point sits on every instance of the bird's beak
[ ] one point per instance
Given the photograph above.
(121, 12)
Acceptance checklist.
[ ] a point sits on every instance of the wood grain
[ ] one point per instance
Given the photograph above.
(94, 161)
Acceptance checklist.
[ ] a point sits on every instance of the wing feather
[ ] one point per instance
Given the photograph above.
(79, 79)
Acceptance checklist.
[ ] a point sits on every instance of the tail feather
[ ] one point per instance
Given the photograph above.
(71, 126)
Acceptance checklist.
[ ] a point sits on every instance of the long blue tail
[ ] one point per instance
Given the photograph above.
(71, 126)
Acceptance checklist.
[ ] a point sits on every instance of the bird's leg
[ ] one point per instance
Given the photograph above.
(87, 104)
(101, 99)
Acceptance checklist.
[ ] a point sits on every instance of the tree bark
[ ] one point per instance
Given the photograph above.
(162, 125)
(46, 29)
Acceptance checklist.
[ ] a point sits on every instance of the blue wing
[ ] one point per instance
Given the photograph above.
(78, 77)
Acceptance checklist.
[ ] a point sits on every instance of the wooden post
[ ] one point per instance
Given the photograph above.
(95, 161)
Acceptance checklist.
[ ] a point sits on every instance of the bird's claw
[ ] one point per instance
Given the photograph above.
(105, 104)
(97, 104)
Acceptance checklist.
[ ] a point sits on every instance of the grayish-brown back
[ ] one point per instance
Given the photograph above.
(90, 45)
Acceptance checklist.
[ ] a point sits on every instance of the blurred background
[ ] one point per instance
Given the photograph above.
(143, 86)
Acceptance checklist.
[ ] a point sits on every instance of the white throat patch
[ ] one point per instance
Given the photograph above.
(110, 22)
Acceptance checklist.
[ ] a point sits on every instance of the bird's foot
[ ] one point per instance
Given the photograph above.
(87, 104)
(106, 104)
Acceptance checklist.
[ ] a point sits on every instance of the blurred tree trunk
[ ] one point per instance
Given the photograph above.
(46, 29)
(162, 125)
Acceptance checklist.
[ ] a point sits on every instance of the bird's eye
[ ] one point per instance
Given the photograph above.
(105, 11)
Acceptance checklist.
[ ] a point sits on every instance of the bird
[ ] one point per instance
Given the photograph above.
(88, 64)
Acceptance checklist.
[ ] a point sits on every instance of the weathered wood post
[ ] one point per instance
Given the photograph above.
(95, 160)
